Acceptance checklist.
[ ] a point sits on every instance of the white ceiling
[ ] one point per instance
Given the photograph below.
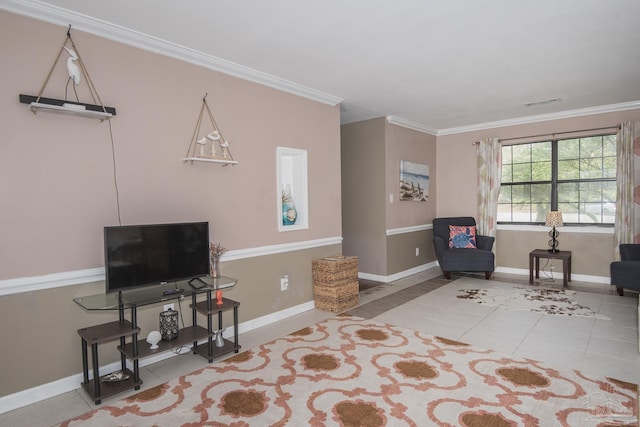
(439, 66)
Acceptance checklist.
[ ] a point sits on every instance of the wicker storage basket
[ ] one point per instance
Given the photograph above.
(335, 283)
(333, 269)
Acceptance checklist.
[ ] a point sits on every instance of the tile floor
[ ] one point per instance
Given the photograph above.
(426, 302)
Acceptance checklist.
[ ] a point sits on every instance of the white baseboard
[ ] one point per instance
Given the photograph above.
(272, 317)
(397, 276)
(578, 277)
(506, 270)
(70, 383)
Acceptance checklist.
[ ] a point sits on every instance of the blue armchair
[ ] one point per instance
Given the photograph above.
(480, 258)
(626, 272)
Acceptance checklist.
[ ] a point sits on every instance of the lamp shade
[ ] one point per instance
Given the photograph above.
(554, 219)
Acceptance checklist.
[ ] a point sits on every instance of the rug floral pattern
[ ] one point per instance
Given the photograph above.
(542, 300)
(347, 371)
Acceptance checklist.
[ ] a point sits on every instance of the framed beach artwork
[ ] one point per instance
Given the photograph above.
(414, 181)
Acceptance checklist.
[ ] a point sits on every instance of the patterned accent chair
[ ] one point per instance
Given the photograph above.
(480, 258)
(626, 272)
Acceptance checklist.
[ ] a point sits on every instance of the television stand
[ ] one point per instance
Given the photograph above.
(122, 330)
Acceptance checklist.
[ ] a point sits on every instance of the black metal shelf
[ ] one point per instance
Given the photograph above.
(108, 389)
(136, 349)
(186, 336)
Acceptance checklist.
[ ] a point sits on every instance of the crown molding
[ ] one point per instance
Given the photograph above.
(57, 15)
(399, 121)
(611, 108)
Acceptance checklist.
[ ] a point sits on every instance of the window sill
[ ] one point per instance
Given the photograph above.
(564, 229)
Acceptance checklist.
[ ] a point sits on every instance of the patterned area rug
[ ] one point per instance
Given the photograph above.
(348, 371)
(549, 301)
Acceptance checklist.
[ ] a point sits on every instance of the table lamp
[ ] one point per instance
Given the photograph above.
(554, 219)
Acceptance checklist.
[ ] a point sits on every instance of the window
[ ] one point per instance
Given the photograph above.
(575, 176)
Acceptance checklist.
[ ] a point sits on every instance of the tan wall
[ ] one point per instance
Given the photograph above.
(363, 188)
(402, 250)
(456, 156)
(57, 174)
(591, 252)
(57, 189)
(416, 147)
(371, 154)
(456, 187)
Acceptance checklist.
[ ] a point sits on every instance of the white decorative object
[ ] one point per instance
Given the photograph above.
(72, 67)
(154, 338)
(225, 149)
(213, 146)
(214, 136)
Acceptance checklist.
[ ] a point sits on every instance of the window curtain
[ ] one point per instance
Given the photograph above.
(627, 223)
(489, 173)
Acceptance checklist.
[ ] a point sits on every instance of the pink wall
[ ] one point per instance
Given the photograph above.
(56, 180)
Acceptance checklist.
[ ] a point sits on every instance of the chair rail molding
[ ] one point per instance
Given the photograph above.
(77, 277)
(411, 229)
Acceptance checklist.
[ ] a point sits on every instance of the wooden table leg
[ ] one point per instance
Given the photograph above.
(530, 269)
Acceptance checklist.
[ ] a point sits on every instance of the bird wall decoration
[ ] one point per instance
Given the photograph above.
(72, 67)
(213, 146)
(77, 73)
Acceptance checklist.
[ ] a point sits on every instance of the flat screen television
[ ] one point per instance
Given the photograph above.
(152, 254)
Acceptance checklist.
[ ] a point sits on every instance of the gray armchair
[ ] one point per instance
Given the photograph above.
(462, 259)
(626, 272)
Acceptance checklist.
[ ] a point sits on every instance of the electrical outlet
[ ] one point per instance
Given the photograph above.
(284, 283)
(391, 198)
(417, 251)
(169, 307)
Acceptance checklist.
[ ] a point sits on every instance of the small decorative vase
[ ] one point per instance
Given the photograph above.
(289, 212)
(219, 339)
(219, 297)
(215, 266)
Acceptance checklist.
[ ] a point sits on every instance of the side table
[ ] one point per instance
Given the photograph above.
(565, 256)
